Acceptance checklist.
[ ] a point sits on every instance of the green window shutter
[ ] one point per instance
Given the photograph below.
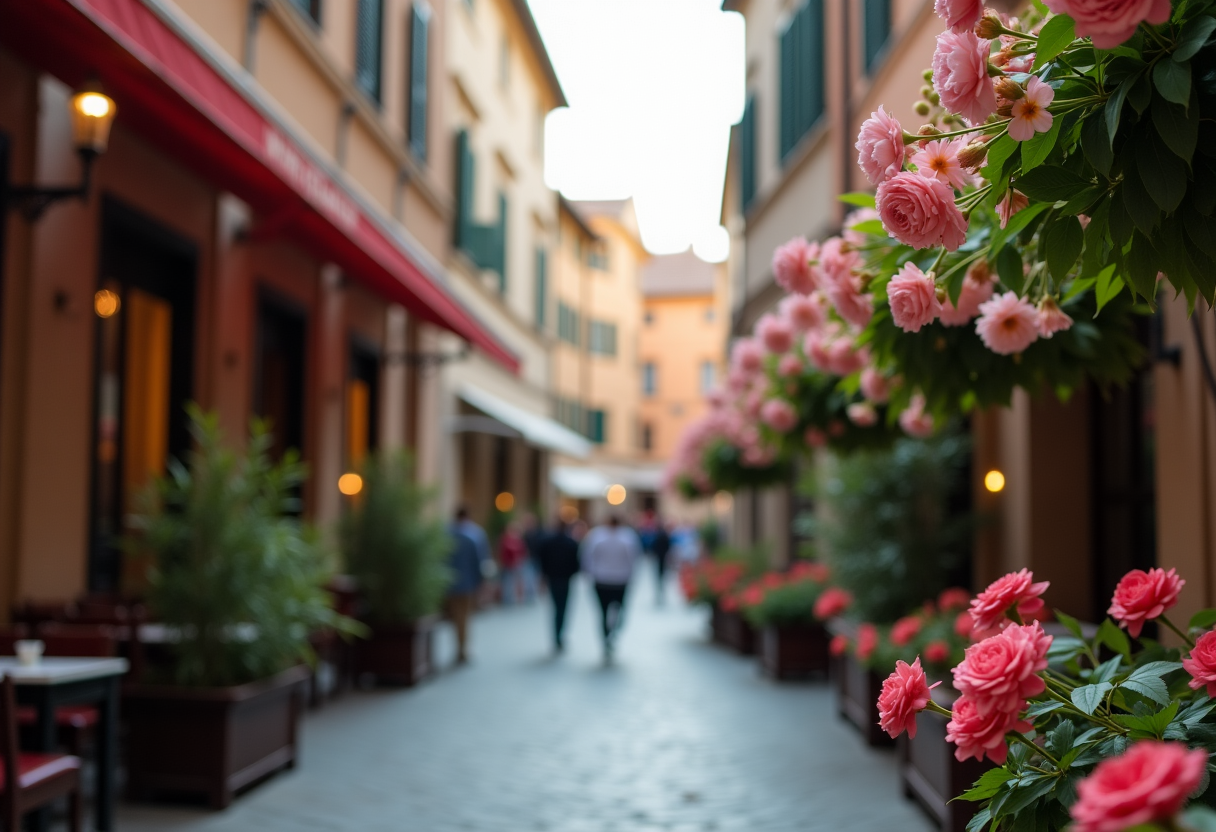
(312, 8)
(420, 19)
(542, 278)
(801, 75)
(596, 429)
(498, 257)
(877, 30)
(464, 193)
(369, 43)
(747, 154)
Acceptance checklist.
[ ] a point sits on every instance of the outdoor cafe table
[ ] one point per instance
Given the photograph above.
(56, 681)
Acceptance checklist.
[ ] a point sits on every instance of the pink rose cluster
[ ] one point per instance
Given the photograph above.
(1109, 23)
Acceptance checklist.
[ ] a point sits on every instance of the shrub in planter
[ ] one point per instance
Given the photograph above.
(714, 581)
(784, 608)
(240, 582)
(396, 548)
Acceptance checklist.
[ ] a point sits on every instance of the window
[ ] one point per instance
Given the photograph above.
(598, 260)
(710, 314)
(707, 376)
(542, 288)
(877, 30)
(485, 245)
(747, 154)
(602, 338)
(650, 381)
(648, 317)
(647, 438)
(801, 81)
(369, 45)
(362, 405)
(312, 8)
(570, 413)
(416, 105)
(568, 324)
(597, 428)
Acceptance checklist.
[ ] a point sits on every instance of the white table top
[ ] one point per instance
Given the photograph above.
(58, 670)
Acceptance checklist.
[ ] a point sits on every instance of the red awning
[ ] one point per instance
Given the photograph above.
(175, 98)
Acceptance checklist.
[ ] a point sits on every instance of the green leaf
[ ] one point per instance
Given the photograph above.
(1064, 648)
(870, 227)
(1082, 200)
(1073, 625)
(1063, 240)
(1154, 689)
(858, 198)
(1152, 724)
(1054, 38)
(1142, 267)
(1177, 126)
(1016, 224)
(1173, 80)
(1037, 149)
(1050, 183)
(1202, 620)
(1096, 145)
(1141, 207)
(1114, 638)
(1030, 790)
(999, 152)
(1192, 37)
(988, 785)
(1106, 293)
(1162, 172)
(1089, 697)
(1108, 670)
(1009, 267)
(982, 818)
(1140, 94)
(1155, 670)
(1114, 105)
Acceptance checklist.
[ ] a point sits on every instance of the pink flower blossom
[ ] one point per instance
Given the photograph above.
(981, 735)
(875, 386)
(960, 15)
(839, 645)
(1002, 671)
(954, 598)
(1142, 596)
(977, 288)
(862, 414)
(1007, 324)
(779, 415)
(938, 159)
(804, 311)
(920, 212)
(1030, 114)
(1201, 664)
(792, 267)
(964, 624)
(747, 356)
(838, 260)
(904, 630)
(912, 295)
(789, 366)
(1052, 318)
(1012, 202)
(850, 302)
(905, 693)
(880, 147)
(1150, 782)
(937, 652)
(775, 334)
(960, 75)
(867, 641)
(844, 358)
(1017, 590)
(815, 438)
(915, 421)
(1109, 23)
(831, 603)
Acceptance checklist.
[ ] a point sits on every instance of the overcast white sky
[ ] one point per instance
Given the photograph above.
(653, 86)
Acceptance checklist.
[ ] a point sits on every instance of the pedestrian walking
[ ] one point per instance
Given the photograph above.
(469, 561)
(557, 558)
(661, 548)
(534, 533)
(512, 552)
(608, 553)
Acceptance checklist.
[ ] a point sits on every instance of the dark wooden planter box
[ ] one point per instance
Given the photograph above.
(794, 652)
(401, 655)
(858, 689)
(211, 741)
(739, 634)
(930, 773)
(717, 624)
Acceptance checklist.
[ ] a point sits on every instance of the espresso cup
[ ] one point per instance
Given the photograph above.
(29, 651)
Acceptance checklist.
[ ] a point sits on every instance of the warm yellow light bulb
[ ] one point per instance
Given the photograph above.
(568, 513)
(505, 501)
(350, 484)
(994, 481)
(94, 105)
(106, 303)
(615, 495)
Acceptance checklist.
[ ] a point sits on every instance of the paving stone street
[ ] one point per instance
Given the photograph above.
(675, 735)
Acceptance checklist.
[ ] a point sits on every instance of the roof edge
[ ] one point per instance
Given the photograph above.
(524, 13)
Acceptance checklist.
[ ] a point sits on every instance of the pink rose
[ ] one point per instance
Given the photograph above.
(937, 652)
(915, 421)
(1110, 22)
(1201, 664)
(789, 366)
(964, 624)
(954, 598)
(867, 641)
(1144, 596)
(1017, 590)
(1001, 672)
(792, 267)
(875, 386)
(1052, 318)
(779, 415)
(862, 414)
(913, 298)
(977, 288)
(920, 212)
(981, 735)
(905, 693)
(804, 311)
(844, 358)
(880, 147)
(831, 603)
(904, 630)
(775, 334)
(747, 356)
(838, 646)
(815, 438)
(1150, 782)
(1007, 324)
(960, 15)
(850, 303)
(960, 75)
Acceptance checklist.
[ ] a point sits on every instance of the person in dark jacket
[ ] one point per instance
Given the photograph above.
(661, 548)
(557, 556)
(468, 560)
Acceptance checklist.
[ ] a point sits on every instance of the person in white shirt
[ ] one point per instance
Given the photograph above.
(608, 554)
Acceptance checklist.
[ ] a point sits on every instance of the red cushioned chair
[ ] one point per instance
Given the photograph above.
(40, 778)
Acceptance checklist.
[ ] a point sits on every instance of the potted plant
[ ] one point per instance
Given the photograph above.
(715, 581)
(238, 583)
(396, 548)
(786, 609)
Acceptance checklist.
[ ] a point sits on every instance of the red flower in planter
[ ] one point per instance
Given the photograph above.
(904, 630)
(978, 735)
(1148, 783)
(729, 603)
(753, 596)
(937, 652)
(1017, 591)
(867, 641)
(1201, 664)
(905, 693)
(1144, 596)
(964, 625)
(804, 570)
(831, 603)
(839, 645)
(953, 599)
(1001, 672)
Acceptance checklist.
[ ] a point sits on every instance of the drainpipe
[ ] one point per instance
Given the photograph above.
(256, 9)
(846, 101)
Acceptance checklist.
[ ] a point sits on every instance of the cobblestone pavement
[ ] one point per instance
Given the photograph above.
(675, 735)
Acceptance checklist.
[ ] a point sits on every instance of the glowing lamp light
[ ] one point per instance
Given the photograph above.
(92, 114)
(723, 501)
(505, 501)
(994, 481)
(350, 484)
(615, 495)
(568, 513)
(106, 303)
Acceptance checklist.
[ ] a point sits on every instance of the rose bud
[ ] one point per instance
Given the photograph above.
(1005, 109)
(989, 27)
(972, 156)
(926, 91)
(1008, 88)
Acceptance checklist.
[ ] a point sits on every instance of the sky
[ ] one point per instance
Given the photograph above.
(653, 88)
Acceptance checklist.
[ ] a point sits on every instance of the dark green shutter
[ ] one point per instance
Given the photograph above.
(419, 26)
(312, 8)
(464, 192)
(498, 256)
(369, 20)
(877, 30)
(801, 75)
(747, 154)
(542, 277)
(596, 426)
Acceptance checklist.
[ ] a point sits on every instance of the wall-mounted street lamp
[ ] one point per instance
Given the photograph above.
(92, 113)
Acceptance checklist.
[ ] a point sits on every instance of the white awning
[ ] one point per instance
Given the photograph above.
(534, 428)
(588, 483)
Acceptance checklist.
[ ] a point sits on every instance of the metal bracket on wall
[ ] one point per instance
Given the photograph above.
(32, 202)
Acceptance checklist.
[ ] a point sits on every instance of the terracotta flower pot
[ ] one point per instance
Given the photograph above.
(930, 773)
(211, 741)
(398, 654)
(794, 651)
